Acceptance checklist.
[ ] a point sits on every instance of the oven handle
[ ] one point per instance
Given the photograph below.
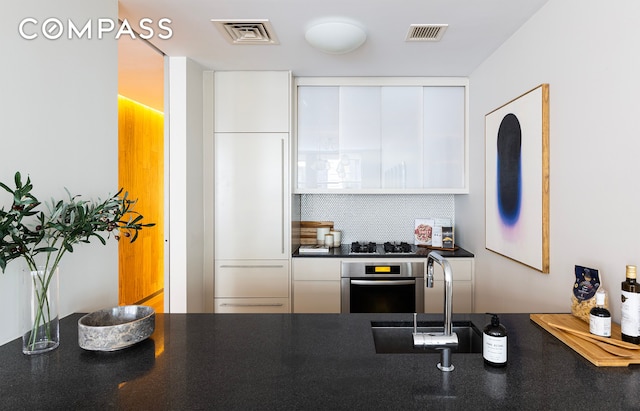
(383, 282)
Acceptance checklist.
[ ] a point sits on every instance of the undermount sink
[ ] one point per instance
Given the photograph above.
(396, 337)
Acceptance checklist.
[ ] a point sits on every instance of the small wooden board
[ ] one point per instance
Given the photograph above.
(588, 350)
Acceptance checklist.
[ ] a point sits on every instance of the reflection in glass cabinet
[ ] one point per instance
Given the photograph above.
(392, 138)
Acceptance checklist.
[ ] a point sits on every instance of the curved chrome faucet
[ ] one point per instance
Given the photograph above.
(448, 287)
(448, 338)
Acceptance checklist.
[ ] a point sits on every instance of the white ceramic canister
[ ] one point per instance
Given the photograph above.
(320, 233)
(328, 240)
(337, 237)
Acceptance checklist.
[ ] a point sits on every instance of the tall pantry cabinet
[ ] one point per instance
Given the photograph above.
(252, 191)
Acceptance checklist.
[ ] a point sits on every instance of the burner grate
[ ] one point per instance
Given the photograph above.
(398, 248)
(364, 248)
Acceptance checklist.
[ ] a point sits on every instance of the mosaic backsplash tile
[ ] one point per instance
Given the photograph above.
(375, 217)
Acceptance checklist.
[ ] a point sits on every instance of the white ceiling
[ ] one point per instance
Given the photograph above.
(476, 29)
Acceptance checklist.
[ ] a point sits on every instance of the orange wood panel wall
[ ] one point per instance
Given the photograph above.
(141, 173)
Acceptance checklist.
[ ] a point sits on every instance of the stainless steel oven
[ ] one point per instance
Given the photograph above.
(382, 286)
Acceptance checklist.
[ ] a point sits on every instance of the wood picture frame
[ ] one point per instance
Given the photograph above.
(517, 179)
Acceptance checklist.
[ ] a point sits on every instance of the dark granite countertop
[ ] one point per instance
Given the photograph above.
(304, 361)
(343, 252)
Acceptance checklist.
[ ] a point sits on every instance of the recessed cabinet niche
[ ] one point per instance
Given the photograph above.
(381, 135)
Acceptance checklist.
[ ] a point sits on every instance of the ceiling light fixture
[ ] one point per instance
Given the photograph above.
(336, 37)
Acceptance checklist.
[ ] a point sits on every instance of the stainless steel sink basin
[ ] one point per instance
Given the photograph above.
(396, 337)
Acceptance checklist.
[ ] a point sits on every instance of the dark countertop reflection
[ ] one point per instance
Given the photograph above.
(304, 361)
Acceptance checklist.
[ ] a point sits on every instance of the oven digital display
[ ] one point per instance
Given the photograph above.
(382, 269)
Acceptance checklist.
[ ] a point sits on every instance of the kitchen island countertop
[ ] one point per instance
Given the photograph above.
(305, 361)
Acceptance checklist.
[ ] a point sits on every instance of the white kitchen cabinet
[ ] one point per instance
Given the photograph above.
(316, 285)
(463, 287)
(252, 101)
(381, 135)
(251, 192)
(251, 196)
(252, 286)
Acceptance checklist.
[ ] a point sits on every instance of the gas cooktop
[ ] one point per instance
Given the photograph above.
(389, 247)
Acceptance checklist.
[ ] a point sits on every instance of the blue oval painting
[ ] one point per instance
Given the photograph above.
(509, 169)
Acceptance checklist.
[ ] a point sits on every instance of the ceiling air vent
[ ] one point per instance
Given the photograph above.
(246, 31)
(426, 32)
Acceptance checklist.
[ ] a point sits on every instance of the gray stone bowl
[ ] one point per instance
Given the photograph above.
(116, 328)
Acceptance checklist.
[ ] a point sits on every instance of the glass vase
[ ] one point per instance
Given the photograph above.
(41, 328)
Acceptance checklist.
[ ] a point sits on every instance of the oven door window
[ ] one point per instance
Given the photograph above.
(383, 296)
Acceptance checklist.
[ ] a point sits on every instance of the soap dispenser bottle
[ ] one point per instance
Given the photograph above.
(494, 343)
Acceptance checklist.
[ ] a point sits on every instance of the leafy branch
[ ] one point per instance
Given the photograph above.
(27, 233)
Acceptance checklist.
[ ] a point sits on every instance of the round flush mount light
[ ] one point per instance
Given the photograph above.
(336, 37)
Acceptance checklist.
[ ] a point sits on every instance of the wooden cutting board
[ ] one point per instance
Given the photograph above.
(308, 230)
(588, 350)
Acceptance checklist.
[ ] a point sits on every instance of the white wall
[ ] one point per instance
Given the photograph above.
(186, 186)
(587, 51)
(58, 123)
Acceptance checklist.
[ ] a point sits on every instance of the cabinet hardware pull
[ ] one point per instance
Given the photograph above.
(250, 305)
(252, 266)
(383, 282)
(282, 179)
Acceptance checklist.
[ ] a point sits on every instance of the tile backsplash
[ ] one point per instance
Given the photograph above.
(375, 217)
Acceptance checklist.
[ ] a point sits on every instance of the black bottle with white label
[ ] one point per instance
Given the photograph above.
(630, 310)
(600, 317)
(494, 343)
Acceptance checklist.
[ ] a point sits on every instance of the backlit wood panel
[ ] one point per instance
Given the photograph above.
(140, 172)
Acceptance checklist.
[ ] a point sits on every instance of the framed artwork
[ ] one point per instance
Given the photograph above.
(517, 179)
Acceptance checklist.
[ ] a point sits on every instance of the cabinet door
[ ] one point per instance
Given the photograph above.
(444, 137)
(401, 138)
(252, 101)
(316, 297)
(316, 269)
(316, 285)
(252, 279)
(250, 201)
(391, 137)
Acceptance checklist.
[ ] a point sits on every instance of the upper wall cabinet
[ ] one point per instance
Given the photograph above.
(252, 101)
(381, 135)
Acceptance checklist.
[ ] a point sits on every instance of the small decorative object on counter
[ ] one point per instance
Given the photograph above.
(313, 249)
(494, 343)
(447, 237)
(337, 237)
(423, 231)
(436, 237)
(630, 320)
(328, 240)
(320, 233)
(600, 317)
(583, 298)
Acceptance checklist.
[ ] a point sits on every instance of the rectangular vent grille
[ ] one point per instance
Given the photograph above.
(246, 31)
(426, 32)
